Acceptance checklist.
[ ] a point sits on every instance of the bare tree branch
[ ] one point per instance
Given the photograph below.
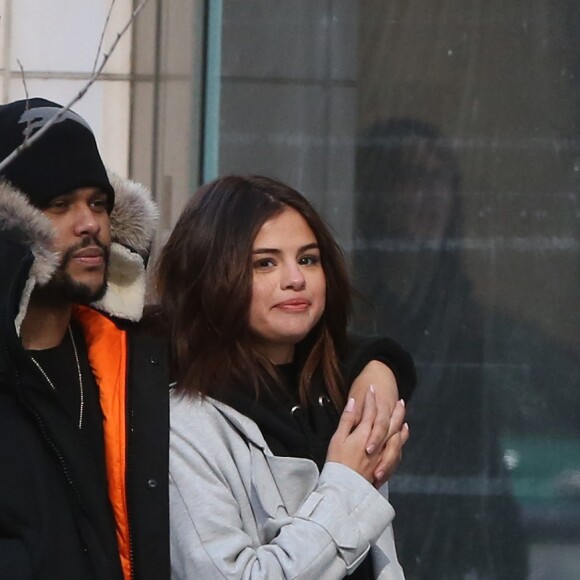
(23, 75)
(95, 75)
(102, 39)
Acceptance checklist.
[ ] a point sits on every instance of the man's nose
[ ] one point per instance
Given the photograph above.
(86, 221)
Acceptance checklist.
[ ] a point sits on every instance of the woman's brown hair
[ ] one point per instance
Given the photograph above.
(205, 276)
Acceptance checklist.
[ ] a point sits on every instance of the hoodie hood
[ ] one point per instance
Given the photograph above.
(133, 222)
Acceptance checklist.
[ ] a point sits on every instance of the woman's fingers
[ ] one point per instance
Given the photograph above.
(386, 399)
(397, 418)
(347, 445)
(347, 421)
(369, 413)
(386, 425)
(391, 456)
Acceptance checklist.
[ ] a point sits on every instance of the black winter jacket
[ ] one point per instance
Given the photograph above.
(56, 520)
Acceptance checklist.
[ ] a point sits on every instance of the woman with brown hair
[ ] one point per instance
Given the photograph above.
(267, 478)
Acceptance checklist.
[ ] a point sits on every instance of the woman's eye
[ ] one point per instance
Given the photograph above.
(309, 260)
(264, 263)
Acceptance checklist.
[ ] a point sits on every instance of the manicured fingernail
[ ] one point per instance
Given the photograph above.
(406, 426)
(350, 406)
(379, 475)
(372, 388)
(371, 448)
(402, 402)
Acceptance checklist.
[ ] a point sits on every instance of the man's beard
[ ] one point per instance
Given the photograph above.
(62, 287)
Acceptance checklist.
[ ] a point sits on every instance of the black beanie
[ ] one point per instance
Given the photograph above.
(64, 158)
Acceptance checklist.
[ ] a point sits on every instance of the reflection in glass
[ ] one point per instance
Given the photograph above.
(468, 248)
(457, 517)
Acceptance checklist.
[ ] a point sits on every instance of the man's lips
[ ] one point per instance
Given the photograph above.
(92, 256)
(294, 305)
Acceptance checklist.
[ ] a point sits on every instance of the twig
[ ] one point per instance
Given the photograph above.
(102, 39)
(30, 141)
(28, 123)
(23, 75)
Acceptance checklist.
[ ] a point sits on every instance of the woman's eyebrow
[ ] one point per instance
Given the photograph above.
(266, 251)
(312, 246)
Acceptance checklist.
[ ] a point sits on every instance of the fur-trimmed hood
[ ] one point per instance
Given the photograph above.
(133, 222)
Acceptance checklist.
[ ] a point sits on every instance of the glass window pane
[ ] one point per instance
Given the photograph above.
(440, 139)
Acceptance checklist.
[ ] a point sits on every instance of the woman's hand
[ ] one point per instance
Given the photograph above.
(389, 433)
(382, 378)
(349, 442)
(392, 451)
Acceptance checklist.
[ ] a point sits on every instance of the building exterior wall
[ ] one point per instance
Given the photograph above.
(49, 49)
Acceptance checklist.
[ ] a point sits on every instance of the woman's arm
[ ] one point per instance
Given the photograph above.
(362, 350)
(365, 365)
(228, 516)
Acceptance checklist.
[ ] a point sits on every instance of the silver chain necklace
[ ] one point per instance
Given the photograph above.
(81, 390)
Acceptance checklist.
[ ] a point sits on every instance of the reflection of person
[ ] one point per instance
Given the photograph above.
(81, 394)
(265, 479)
(457, 517)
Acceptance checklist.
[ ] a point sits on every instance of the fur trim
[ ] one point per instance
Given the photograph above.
(23, 223)
(134, 217)
(133, 222)
(24, 301)
(125, 297)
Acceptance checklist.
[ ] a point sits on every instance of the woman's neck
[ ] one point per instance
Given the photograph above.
(278, 354)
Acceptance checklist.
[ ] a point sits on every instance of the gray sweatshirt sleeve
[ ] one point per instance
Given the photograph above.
(230, 519)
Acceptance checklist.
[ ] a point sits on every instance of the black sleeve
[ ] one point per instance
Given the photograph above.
(362, 350)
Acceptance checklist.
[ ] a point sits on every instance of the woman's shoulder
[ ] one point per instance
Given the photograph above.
(206, 415)
(186, 408)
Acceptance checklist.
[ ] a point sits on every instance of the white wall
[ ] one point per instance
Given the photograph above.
(55, 43)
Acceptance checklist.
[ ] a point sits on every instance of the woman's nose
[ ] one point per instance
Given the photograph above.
(293, 278)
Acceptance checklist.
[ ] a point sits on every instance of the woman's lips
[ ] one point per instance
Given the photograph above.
(294, 305)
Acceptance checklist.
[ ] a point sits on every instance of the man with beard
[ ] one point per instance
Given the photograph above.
(83, 392)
